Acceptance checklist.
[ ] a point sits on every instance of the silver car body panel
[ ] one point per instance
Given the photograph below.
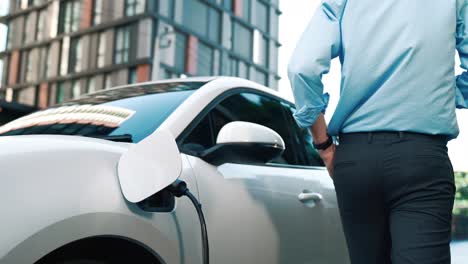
(59, 189)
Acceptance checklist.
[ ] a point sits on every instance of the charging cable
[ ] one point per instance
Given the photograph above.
(179, 189)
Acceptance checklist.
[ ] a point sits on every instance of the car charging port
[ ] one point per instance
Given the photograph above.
(178, 189)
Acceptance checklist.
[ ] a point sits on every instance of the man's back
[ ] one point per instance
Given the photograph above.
(397, 63)
(392, 174)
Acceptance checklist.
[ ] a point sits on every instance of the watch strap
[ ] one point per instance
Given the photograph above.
(324, 145)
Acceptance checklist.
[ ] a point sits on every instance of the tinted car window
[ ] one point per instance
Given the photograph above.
(246, 107)
(312, 157)
(134, 112)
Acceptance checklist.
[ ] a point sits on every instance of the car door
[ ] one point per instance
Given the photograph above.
(317, 181)
(253, 211)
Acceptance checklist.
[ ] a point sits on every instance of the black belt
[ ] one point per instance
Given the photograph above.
(388, 135)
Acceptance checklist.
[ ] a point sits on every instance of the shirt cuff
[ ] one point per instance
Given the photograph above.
(307, 115)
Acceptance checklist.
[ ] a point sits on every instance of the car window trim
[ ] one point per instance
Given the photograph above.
(300, 153)
(296, 131)
(237, 90)
(210, 106)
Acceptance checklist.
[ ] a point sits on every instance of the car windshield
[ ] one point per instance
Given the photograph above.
(126, 114)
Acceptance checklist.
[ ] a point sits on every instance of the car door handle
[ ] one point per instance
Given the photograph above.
(307, 197)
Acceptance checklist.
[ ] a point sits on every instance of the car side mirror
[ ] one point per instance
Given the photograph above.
(244, 142)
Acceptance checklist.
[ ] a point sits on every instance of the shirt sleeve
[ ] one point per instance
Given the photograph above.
(318, 45)
(461, 92)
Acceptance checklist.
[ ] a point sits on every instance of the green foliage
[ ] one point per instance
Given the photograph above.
(461, 197)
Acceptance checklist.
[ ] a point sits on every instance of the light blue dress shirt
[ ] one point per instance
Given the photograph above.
(397, 60)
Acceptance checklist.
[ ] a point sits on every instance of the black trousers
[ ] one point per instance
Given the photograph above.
(395, 194)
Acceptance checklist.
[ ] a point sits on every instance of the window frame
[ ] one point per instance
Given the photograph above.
(75, 89)
(29, 69)
(234, 48)
(101, 50)
(75, 55)
(69, 20)
(123, 52)
(131, 7)
(41, 25)
(97, 12)
(24, 38)
(239, 90)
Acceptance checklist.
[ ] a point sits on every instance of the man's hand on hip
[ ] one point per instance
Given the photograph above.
(319, 133)
(328, 157)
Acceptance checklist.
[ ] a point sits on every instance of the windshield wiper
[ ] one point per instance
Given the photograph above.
(117, 138)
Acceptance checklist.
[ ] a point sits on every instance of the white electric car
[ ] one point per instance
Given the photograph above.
(86, 181)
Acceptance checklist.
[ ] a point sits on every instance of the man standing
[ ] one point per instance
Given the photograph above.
(393, 177)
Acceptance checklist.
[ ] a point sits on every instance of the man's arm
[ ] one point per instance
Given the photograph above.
(319, 44)
(319, 129)
(462, 47)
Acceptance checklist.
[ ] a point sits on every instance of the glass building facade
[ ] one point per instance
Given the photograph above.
(56, 50)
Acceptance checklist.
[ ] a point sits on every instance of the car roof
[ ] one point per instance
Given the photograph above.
(205, 79)
(178, 80)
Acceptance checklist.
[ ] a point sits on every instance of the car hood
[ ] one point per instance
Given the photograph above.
(45, 179)
(46, 143)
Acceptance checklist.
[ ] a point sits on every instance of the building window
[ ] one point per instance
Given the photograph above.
(261, 18)
(195, 16)
(97, 12)
(180, 51)
(45, 62)
(246, 7)
(214, 25)
(274, 24)
(122, 45)
(60, 96)
(64, 55)
(3, 33)
(108, 81)
(242, 69)
(202, 19)
(38, 2)
(204, 60)
(242, 40)
(74, 64)
(260, 77)
(91, 86)
(26, 96)
(227, 4)
(226, 65)
(134, 7)
(101, 59)
(10, 30)
(9, 95)
(237, 68)
(132, 75)
(76, 89)
(41, 22)
(29, 66)
(166, 8)
(274, 58)
(24, 37)
(260, 49)
(70, 12)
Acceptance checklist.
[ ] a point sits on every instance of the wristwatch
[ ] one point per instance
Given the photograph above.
(324, 145)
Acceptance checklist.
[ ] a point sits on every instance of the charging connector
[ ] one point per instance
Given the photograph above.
(178, 189)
